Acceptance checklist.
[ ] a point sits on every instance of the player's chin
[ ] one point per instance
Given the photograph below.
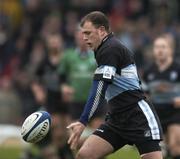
(90, 47)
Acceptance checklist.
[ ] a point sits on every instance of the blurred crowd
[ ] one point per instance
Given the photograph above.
(44, 63)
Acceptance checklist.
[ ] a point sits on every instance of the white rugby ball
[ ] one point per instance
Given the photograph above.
(36, 126)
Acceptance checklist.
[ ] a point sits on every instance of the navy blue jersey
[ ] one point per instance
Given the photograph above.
(116, 66)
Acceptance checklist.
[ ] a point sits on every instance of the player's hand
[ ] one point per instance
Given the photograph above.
(76, 130)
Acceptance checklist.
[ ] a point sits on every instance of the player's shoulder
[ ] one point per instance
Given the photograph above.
(175, 68)
(115, 44)
(112, 46)
(176, 64)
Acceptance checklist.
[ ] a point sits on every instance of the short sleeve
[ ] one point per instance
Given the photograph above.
(108, 62)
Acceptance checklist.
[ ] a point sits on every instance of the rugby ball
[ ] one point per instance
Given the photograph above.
(36, 126)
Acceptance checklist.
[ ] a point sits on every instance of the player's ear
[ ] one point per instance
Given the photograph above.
(101, 31)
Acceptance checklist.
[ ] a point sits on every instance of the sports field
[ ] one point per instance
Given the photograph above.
(9, 153)
(125, 153)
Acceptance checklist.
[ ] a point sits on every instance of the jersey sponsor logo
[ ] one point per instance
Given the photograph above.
(108, 72)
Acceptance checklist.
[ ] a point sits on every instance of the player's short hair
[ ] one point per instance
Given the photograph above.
(169, 37)
(98, 19)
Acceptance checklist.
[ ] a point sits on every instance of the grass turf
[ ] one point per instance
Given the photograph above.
(125, 153)
(10, 153)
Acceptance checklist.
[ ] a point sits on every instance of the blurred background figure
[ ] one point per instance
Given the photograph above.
(45, 60)
(46, 88)
(51, 25)
(76, 70)
(163, 83)
(60, 135)
(47, 83)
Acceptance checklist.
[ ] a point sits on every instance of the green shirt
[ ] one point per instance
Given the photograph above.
(78, 68)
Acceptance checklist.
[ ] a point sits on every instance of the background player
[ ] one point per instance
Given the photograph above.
(162, 79)
(76, 70)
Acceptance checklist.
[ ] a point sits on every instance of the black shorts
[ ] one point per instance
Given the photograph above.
(138, 125)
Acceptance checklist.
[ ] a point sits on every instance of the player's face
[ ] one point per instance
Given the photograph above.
(54, 42)
(162, 49)
(91, 35)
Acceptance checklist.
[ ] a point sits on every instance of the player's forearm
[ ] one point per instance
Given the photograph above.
(95, 99)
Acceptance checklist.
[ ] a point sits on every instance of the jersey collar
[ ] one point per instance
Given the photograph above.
(104, 40)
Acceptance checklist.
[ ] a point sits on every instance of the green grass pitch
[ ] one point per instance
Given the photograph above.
(125, 153)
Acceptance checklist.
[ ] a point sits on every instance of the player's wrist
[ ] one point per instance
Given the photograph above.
(82, 121)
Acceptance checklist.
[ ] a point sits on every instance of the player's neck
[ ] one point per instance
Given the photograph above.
(55, 56)
(104, 37)
(164, 64)
(101, 40)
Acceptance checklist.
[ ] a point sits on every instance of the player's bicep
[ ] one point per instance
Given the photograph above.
(105, 73)
(108, 63)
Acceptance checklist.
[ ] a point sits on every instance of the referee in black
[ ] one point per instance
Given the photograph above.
(131, 120)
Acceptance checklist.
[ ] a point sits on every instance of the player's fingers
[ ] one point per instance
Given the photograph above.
(74, 143)
(71, 138)
(71, 126)
(73, 146)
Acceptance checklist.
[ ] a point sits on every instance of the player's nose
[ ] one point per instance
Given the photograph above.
(85, 38)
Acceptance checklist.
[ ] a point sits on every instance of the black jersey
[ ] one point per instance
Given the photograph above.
(163, 86)
(171, 74)
(130, 116)
(116, 65)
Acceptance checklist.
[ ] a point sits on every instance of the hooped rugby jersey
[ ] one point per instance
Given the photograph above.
(163, 86)
(116, 65)
(115, 79)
